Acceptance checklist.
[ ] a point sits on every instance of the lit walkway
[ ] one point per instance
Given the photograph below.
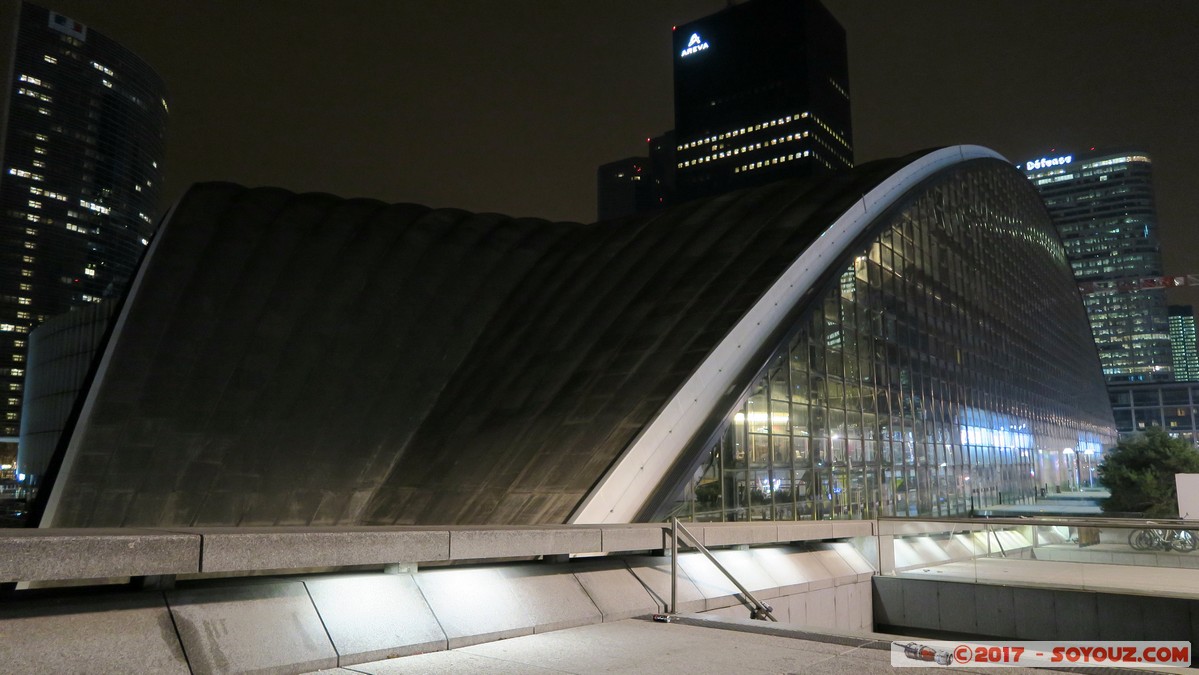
(1141, 580)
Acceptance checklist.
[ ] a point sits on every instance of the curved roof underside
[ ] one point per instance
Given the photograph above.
(305, 359)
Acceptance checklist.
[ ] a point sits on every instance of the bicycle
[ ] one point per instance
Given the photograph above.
(1183, 541)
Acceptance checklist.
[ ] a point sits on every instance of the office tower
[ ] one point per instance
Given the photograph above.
(761, 93)
(1182, 343)
(1102, 204)
(83, 132)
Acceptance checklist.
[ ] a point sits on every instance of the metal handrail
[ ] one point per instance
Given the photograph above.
(760, 609)
(991, 535)
(1046, 521)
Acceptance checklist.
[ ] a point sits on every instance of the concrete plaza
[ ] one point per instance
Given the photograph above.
(693, 645)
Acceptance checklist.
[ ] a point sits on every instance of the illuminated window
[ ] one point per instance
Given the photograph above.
(95, 207)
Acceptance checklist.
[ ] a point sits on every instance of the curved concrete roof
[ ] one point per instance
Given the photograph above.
(305, 359)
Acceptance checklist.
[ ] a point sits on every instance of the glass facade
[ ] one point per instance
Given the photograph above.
(82, 169)
(947, 366)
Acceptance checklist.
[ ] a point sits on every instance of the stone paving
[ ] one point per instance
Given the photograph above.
(692, 646)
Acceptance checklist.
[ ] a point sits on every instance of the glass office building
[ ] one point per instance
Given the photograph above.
(1102, 204)
(82, 157)
(1182, 343)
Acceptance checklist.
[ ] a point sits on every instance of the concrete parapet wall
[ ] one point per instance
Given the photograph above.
(515, 542)
(305, 623)
(236, 549)
(36, 554)
(57, 554)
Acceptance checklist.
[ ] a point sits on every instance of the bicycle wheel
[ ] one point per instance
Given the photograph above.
(1140, 540)
(1184, 541)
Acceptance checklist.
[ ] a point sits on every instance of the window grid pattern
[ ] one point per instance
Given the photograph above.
(1173, 407)
(926, 380)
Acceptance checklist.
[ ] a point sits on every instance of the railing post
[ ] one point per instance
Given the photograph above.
(760, 609)
(674, 564)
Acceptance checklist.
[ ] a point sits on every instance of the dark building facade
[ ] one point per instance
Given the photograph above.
(761, 93)
(83, 154)
(828, 347)
(1102, 204)
(1169, 405)
(625, 187)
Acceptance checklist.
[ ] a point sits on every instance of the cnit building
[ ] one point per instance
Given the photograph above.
(838, 346)
(81, 153)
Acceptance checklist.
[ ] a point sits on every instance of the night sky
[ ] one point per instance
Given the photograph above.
(510, 105)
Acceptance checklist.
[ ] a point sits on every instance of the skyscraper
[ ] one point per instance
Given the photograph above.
(761, 93)
(1182, 343)
(625, 187)
(1102, 204)
(82, 154)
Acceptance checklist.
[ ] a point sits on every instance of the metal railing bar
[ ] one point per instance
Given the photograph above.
(760, 608)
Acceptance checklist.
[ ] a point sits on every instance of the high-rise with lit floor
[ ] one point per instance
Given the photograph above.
(761, 93)
(1182, 343)
(82, 148)
(1102, 204)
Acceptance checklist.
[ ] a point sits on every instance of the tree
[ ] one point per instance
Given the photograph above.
(1140, 470)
